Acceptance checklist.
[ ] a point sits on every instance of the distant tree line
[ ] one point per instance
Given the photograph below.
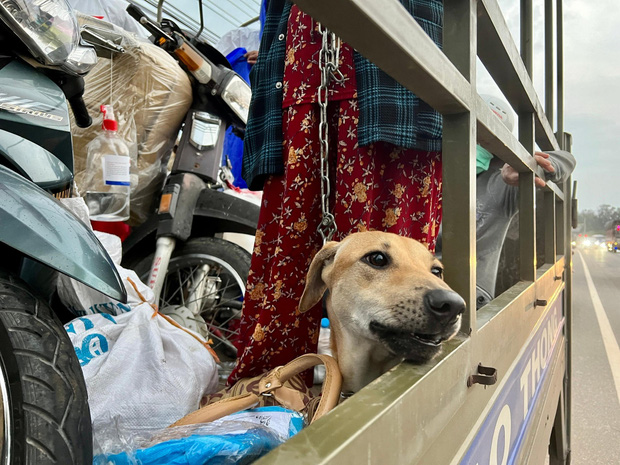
(595, 222)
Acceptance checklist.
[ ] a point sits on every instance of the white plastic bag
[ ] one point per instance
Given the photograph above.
(247, 37)
(83, 300)
(141, 372)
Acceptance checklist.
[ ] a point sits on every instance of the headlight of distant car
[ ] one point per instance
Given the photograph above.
(237, 95)
(587, 243)
(50, 30)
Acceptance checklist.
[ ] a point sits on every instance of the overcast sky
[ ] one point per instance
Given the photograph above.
(592, 75)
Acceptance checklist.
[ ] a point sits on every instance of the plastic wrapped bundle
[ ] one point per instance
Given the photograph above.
(239, 438)
(151, 95)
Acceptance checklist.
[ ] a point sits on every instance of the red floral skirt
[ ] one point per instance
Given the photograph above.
(379, 187)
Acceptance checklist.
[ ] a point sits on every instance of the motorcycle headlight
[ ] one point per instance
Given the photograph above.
(237, 95)
(50, 30)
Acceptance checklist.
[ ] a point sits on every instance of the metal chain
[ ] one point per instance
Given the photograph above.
(329, 57)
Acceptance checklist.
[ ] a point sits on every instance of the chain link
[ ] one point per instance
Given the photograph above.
(329, 57)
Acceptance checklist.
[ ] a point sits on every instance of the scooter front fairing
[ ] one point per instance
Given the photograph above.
(37, 225)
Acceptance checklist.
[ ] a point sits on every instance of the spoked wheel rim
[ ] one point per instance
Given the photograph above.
(221, 304)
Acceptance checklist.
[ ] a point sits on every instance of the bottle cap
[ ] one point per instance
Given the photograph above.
(109, 122)
(324, 322)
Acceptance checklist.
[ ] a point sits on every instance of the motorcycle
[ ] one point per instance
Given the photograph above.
(44, 414)
(198, 279)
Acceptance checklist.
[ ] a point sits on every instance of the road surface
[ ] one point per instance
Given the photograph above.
(596, 357)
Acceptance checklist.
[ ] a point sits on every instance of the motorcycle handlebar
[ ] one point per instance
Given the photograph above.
(137, 14)
(80, 112)
(73, 88)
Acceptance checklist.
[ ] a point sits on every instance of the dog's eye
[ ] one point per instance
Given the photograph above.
(376, 259)
(437, 271)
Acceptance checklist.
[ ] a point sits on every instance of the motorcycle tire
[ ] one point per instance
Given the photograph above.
(222, 312)
(44, 411)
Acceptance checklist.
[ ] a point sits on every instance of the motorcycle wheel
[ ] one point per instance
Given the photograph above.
(221, 308)
(44, 411)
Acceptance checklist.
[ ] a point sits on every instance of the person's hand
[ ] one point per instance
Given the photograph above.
(511, 176)
(251, 57)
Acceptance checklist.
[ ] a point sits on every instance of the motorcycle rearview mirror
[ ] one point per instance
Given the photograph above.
(105, 47)
(104, 37)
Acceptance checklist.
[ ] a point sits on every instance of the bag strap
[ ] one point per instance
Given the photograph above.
(270, 384)
(330, 394)
(219, 409)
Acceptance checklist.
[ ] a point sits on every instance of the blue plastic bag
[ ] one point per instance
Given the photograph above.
(198, 449)
(233, 145)
(238, 438)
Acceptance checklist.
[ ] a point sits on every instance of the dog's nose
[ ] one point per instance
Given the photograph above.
(445, 305)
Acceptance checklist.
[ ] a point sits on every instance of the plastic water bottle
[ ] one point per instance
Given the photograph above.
(324, 335)
(323, 348)
(108, 164)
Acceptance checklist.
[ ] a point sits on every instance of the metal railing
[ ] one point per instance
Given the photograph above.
(427, 414)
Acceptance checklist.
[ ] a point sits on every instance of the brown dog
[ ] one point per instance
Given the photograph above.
(387, 302)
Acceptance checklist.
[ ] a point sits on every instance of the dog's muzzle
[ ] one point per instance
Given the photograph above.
(443, 309)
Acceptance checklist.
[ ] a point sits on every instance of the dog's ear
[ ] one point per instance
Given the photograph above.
(315, 286)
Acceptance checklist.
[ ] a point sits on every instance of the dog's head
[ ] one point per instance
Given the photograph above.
(387, 293)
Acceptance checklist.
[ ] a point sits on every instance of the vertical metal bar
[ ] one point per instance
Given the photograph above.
(564, 221)
(566, 143)
(549, 62)
(527, 35)
(527, 192)
(560, 73)
(527, 201)
(561, 233)
(160, 8)
(566, 240)
(459, 162)
(459, 206)
(550, 222)
(568, 306)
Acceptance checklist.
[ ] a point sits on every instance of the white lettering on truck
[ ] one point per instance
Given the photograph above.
(537, 362)
(503, 421)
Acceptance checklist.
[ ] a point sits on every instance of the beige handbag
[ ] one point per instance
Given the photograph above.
(282, 386)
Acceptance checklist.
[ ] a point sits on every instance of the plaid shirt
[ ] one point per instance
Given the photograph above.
(388, 111)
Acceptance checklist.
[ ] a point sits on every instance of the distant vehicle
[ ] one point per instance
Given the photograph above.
(599, 240)
(612, 235)
(583, 241)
